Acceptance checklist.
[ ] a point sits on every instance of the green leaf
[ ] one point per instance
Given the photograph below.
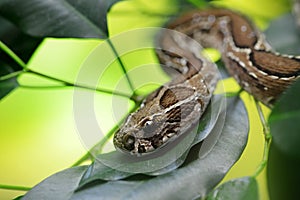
(110, 190)
(205, 172)
(237, 189)
(13, 42)
(95, 11)
(284, 159)
(283, 174)
(21, 44)
(99, 171)
(284, 122)
(61, 18)
(58, 186)
(47, 18)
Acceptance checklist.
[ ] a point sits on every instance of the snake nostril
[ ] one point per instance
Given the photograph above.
(141, 149)
(128, 141)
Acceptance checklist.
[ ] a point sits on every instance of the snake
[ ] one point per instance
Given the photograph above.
(177, 106)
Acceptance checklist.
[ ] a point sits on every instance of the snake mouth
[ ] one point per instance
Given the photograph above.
(135, 146)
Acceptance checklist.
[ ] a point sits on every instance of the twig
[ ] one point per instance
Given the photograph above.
(268, 140)
(15, 187)
(14, 56)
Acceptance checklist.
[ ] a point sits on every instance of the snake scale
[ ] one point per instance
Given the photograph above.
(177, 106)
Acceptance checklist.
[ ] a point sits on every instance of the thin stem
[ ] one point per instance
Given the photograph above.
(49, 77)
(66, 83)
(122, 65)
(266, 129)
(84, 158)
(15, 187)
(14, 56)
(264, 161)
(268, 140)
(43, 87)
(11, 75)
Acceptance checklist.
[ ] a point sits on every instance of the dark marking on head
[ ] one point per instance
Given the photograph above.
(168, 99)
(174, 95)
(275, 65)
(174, 115)
(243, 33)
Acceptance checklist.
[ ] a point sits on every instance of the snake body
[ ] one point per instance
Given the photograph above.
(177, 106)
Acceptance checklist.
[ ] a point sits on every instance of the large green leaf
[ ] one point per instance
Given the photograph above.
(283, 175)
(284, 122)
(204, 171)
(59, 18)
(59, 186)
(237, 189)
(284, 160)
(21, 44)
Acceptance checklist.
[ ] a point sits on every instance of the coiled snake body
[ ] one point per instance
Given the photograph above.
(178, 105)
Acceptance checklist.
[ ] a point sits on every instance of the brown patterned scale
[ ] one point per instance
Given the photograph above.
(177, 106)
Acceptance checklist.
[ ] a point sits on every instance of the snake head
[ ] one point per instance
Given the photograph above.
(140, 139)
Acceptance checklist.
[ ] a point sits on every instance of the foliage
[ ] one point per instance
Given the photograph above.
(284, 160)
(205, 171)
(111, 175)
(243, 188)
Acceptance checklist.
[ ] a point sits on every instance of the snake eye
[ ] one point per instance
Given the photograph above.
(146, 122)
(128, 141)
